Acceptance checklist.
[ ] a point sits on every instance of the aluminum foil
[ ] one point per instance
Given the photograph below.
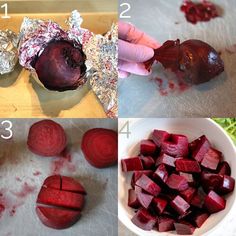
(8, 51)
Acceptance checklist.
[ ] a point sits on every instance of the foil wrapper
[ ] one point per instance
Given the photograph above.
(8, 51)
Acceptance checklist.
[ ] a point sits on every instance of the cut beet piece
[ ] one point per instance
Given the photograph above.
(179, 205)
(211, 181)
(148, 185)
(100, 147)
(177, 182)
(133, 199)
(158, 136)
(57, 218)
(137, 189)
(71, 185)
(214, 202)
(53, 181)
(161, 173)
(188, 194)
(144, 220)
(188, 177)
(186, 165)
(176, 146)
(198, 199)
(165, 159)
(159, 204)
(165, 224)
(211, 159)
(200, 218)
(224, 168)
(184, 228)
(131, 164)
(147, 147)
(144, 199)
(137, 174)
(148, 162)
(227, 185)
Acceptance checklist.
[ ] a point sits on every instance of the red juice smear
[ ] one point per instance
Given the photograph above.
(37, 173)
(25, 191)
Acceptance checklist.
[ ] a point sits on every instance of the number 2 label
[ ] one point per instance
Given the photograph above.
(123, 14)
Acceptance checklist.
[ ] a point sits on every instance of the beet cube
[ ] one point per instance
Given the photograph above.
(137, 174)
(131, 164)
(144, 220)
(159, 204)
(179, 205)
(224, 168)
(147, 147)
(200, 218)
(148, 185)
(165, 159)
(186, 165)
(198, 199)
(158, 136)
(211, 181)
(184, 228)
(211, 159)
(144, 199)
(227, 185)
(137, 189)
(188, 194)
(148, 162)
(165, 224)
(188, 177)
(214, 202)
(161, 173)
(132, 199)
(177, 182)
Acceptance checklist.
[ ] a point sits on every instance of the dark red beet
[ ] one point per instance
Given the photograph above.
(198, 199)
(158, 136)
(165, 159)
(147, 147)
(200, 218)
(211, 181)
(148, 185)
(188, 177)
(144, 220)
(211, 159)
(131, 164)
(188, 194)
(224, 168)
(137, 189)
(227, 185)
(137, 174)
(214, 202)
(144, 199)
(184, 228)
(148, 162)
(161, 173)
(100, 147)
(177, 182)
(159, 204)
(179, 205)
(61, 66)
(132, 199)
(186, 165)
(165, 224)
(46, 138)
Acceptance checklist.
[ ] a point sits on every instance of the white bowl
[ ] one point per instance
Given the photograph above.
(192, 128)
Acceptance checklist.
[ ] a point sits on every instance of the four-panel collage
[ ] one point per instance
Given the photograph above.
(117, 117)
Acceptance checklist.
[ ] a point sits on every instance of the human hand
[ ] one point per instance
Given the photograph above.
(135, 47)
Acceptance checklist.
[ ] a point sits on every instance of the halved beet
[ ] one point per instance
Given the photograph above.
(147, 147)
(224, 168)
(159, 204)
(177, 182)
(186, 165)
(227, 185)
(144, 199)
(211, 159)
(137, 174)
(188, 194)
(133, 199)
(188, 177)
(184, 228)
(158, 136)
(144, 220)
(100, 147)
(179, 205)
(161, 173)
(165, 224)
(148, 162)
(200, 218)
(148, 185)
(166, 159)
(131, 164)
(214, 202)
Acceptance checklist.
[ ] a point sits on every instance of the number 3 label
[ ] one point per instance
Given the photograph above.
(7, 128)
(127, 8)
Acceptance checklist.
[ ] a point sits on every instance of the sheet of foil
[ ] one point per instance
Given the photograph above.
(8, 51)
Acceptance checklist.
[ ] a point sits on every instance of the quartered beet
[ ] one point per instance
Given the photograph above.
(211, 159)
(148, 162)
(161, 173)
(224, 168)
(214, 202)
(159, 204)
(227, 185)
(144, 199)
(179, 205)
(147, 147)
(165, 224)
(184, 228)
(132, 199)
(186, 165)
(158, 136)
(131, 164)
(177, 182)
(166, 159)
(188, 194)
(137, 174)
(200, 218)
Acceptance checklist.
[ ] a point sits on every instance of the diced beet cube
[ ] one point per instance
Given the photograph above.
(214, 202)
(198, 199)
(176, 146)
(184, 228)
(188, 194)
(186, 165)
(165, 224)
(188, 177)
(211, 181)
(165, 159)
(144, 199)
(133, 200)
(131, 164)
(161, 173)
(199, 148)
(137, 174)
(158, 136)
(177, 182)
(211, 159)
(144, 220)
(148, 185)
(159, 204)
(227, 185)
(186, 214)
(224, 168)
(148, 162)
(137, 189)
(147, 147)
(179, 205)
(200, 218)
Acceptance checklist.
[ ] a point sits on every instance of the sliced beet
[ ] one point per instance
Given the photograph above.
(200, 218)
(188, 177)
(165, 224)
(159, 204)
(53, 181)
(186, 165)
(211, 181)
(188, 194)
(179, 205)
(158, 136)
(165, 159)
(144, 199)
(144, 220)
(148, 162)
(214, 202)
(224, 168)
(211, 159)
(137, 174)
(148, 185)
(227, 185)
(147, 147)
(71, 185)
(184, 228)
(177, 182)
(131, 164)
(161, 173)
(133, 199)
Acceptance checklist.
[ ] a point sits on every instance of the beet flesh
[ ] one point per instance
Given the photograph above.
(211, 159)
(133, 199)
(137, 174)
(161, 173)
(144, 199)
(147, 147)
(214, 202)
(131, 164)
(159, 204)
(184, 228)
(165, 159)
(165, 224)
(148, 162)
(177, 182)
(158, 136)
(179, 205)
(186, 165)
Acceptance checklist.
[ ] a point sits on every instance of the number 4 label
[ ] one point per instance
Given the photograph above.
(125, 129)
(5, 7)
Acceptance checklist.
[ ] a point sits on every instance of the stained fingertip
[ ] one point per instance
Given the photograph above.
(123, 74)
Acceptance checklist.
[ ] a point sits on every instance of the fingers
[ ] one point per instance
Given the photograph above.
(130, 33)
(123, 74)
(132, 67)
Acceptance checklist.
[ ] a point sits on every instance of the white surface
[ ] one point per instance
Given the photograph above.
(139, 97)
(99, 216)
(193, 128)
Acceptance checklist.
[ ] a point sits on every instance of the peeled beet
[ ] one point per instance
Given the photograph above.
(177, 182)
(188, 177)
(159, 204)
(61, 66)
(161, 173)
(224, 168)
(100, 147)
(214, 202)
(46, 138)
(211, 181)
(200, 218)
(133, 199)
(148, 162)
(188, 194)
(165, 224)
(179, 205)
(144, 199)
(137, 174)
(211, 159)
(131, 164)
(166, 159)
(186, 165)
(158, 136)
(227, 185)
(147, 147)
(184, 228)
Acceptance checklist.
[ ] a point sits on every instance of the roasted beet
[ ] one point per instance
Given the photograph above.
(159, 136)
(186, 165)
(144, 199)
(179, 205)
(131, 164)
(159, 204)
(137, 174)
(133, 199)
(148, 162)
(165, 224)
(224, 168)
(211, 159)
(184, 228)
(177, 182)
(161, 173)
(200, 218)
(61, 66)
(147, 147)
(165, 159)
(214, 202)
(188, 194)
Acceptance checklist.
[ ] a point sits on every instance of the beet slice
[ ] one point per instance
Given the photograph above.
(180, 205)
(71, 185)
(100, 147)
(184, 228)
(165, 159)
(148, 162)
(200, 218)
(133, 199)
(214, 202)
(211, 159)
(144, 220)
(161, 173)
(148, 185)
(165, 224)
(144, 199)
(224, 168)
(177, 182)
(147, 147)
(158, 136)
(137, 174)
(227, 185)
(186, 165)
(131, 164)
(188, 194)
(53, 181)
(57, 218)
(46, 138)
(159, 204)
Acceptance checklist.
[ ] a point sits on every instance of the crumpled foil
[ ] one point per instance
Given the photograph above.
(8, 51)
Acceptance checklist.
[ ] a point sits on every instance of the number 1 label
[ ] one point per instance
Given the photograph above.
(5, 7)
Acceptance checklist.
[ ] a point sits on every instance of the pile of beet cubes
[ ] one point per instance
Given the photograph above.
(176, 185)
